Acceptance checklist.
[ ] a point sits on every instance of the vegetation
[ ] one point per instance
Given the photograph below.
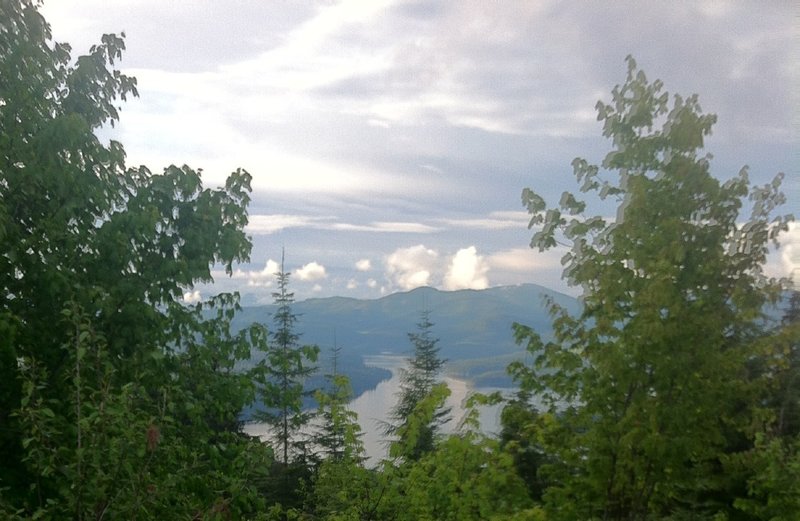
(670, 395)
(652, 392)
(287, 367)
(118, 400)
(417, 383)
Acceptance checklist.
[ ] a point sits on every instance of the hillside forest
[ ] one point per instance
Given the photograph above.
(671, 393)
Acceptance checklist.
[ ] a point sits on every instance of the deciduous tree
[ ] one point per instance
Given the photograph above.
(647, 388)
(116, 395)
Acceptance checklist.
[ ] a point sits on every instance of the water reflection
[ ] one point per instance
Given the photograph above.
(373, 407)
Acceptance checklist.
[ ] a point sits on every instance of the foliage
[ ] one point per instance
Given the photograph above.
(465, 476)
(338, 435)
(118, 400)
(283, 372)
(650, 385)
(418, 381)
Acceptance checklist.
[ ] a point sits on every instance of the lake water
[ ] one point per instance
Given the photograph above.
(373, 407)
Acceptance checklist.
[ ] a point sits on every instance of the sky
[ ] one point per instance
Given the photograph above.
(389, 141)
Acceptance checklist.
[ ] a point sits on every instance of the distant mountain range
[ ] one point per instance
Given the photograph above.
(473, 327)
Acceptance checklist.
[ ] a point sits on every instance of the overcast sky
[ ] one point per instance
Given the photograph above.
(389, 141)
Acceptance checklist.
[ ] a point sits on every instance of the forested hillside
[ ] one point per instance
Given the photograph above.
(668, 394)
(474, 327)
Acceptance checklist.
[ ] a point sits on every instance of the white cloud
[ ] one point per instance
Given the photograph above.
(372, 283)
(790, 255)
(411, 267)
(352, 284)
(262, 278)
(467, 270)
(317, 288)
(786, 261)
(311, 271)
(391, 227)
(364, 265)
(495, 221)
(268, 224)
(526, 259)
(192, 297)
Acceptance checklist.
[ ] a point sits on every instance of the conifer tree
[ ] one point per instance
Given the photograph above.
(339, 434)
(284, 372)
(417, 382)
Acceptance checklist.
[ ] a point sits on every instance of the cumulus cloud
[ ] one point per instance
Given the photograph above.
(791, 253)
(786, 261)
(260, 278)
(372, 283)
(311, 271)
(253, 278)
(352, 284)
(364, 265)
(467, 270)
(411, 267)
(192, 297)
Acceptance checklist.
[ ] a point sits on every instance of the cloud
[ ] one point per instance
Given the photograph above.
(495, 221)
(390, 227)
(262, 278)
(411, 267)
(266, 224)
(790, 256)
(372, 283)
(260, 224)
(352, 284)
(311, 271)
(467, 270)
(363, 265)
(526, 259)
(192, 297)
(785, 262)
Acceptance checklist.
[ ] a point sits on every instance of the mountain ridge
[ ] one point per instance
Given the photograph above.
(472, 325)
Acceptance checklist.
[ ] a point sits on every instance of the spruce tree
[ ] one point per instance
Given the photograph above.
(338, 435)
(417, 383)
(283, 376)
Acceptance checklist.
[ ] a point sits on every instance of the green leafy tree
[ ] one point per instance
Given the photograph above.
(465, 476)
(772, 466)
(650, 385)
(118, 400)
(417, 382)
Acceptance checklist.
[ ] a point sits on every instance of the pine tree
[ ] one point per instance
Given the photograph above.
(339, 433)
(417, 383)
(283, 375)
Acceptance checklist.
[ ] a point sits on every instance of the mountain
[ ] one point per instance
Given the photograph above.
(473, 326)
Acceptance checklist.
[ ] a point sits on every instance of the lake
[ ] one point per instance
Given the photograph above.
(373, 407)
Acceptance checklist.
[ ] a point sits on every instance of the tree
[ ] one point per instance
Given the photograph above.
(286, 368)
(339, 433)
(281, 378)
(418, 380)
(649, 386)
(118, 399)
